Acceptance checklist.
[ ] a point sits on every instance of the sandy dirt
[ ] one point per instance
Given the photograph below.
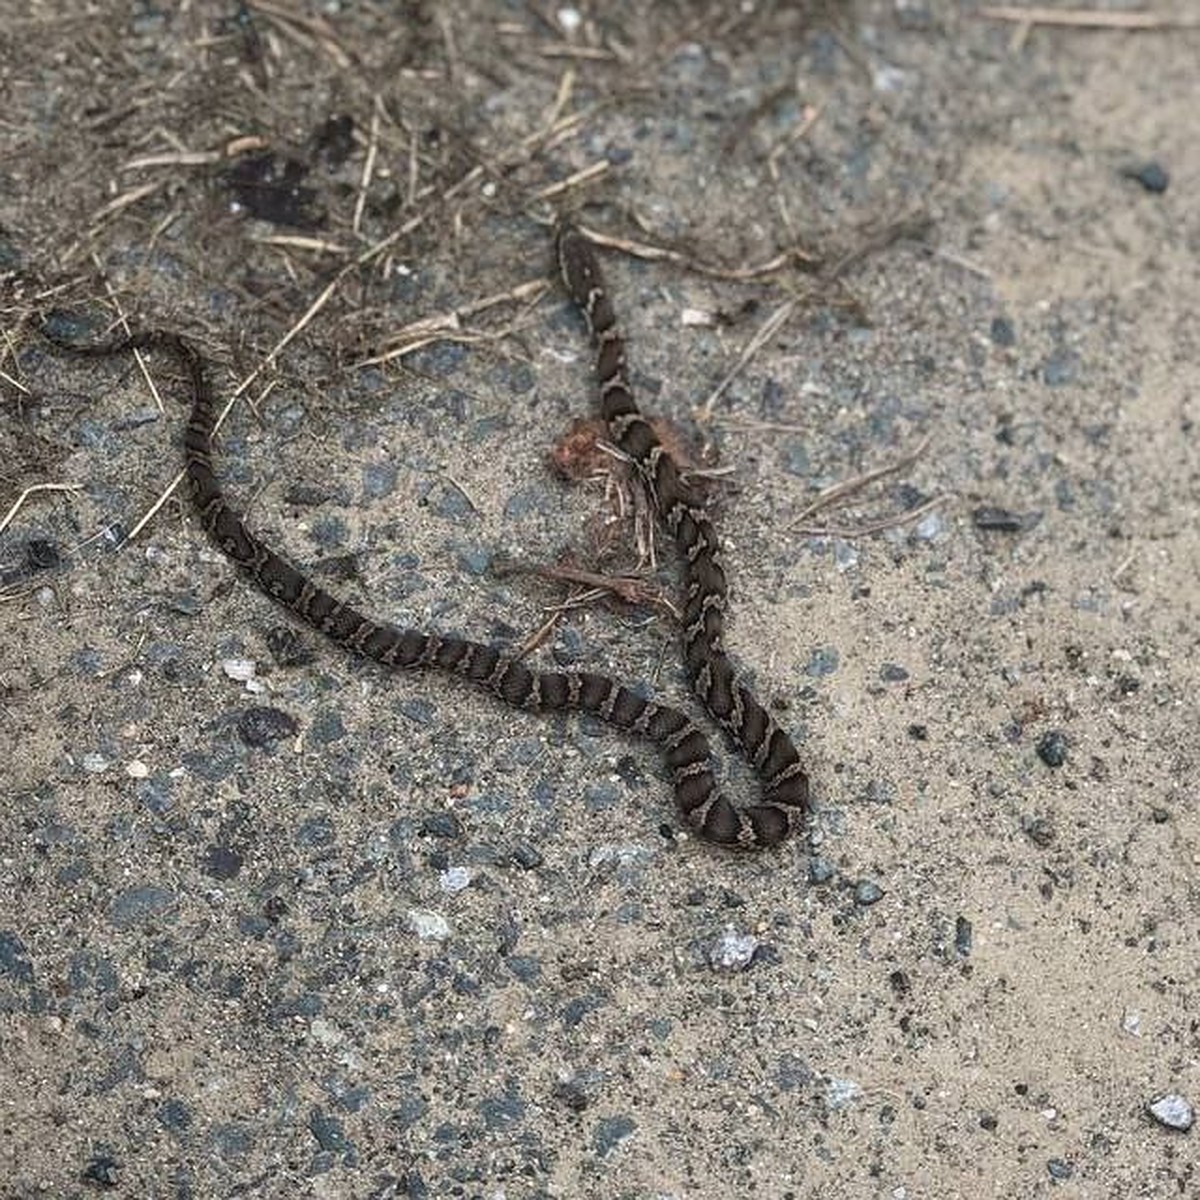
(276, 923)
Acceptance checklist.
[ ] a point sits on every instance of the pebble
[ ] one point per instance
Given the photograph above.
(329, 1132)
(1052, 749)
(1173, 1111)
(1153, 176)
(14, 958)
(1002, 332)
(867, 892)
(732, 951)
(240, 669)
(823, 661)
(1061, 368)
(455, 879)
(611, 1132)
(820, 870)
(139, 904)
(963, 936)
(260, 725)
(1060, 1169)
(841, 1093)
(427, 925)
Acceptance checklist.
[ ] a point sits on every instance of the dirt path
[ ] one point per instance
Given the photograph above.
(274, 923)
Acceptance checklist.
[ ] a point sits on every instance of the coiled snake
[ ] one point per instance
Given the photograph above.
(685, 748)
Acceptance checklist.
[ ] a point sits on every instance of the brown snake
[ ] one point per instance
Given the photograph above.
(686, 750)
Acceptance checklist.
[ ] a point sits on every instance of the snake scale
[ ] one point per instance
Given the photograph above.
(706, 808)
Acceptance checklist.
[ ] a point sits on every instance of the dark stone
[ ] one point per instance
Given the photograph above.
(823, 661)
(14, 958)
(174, 1114)
(139, 904)
(820, 870)
(1061, 368)
(287, 647)
(1153, 176)
(334, 140)
(1002, 332)
(892, 673)
(1060, 1169)
(260, 725)
(41, 555)
(502, 1112)
(221, 862)
(867, 892)
(104, 1171)
(1052, 749)
(962, 936)
(611, 1132)
(269, 188)
(328, 1131)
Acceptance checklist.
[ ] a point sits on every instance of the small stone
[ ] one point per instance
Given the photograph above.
(1052, 749)
(260, 725)
(94, 764)
(427, 925)
(1039, 830)
(329, 1132)
(841, 1093)
(820, 870)
(14, 958)
(611, 1132)
(867, 892)
(1173, 1111)
(1060, 1169)
(732, 951)
(287, 647)
(962, 937)
(1061, 368)
(1153, 176)
(1002, 332)
(41, 555)
(823, 661)
(992, 518)
(221, 862)
(892, 673)
(240, 669)
(135, 905)
(104, 1171)
(454, 879)
(525, 856)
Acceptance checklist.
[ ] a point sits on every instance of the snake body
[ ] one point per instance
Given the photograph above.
(685, 748)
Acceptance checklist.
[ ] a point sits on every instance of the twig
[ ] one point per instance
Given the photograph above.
(765, 332)
(664, 254)
(848, 531)
(840, 491)
(368, 170)
(1084, 18)
(124, 322)
(628, 588)
(29, 491)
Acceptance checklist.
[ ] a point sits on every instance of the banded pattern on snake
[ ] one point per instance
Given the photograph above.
(685, 748)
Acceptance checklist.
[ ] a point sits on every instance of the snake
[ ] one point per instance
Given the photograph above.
(687, 754)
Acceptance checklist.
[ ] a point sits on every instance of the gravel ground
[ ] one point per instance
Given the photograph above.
(276, 923)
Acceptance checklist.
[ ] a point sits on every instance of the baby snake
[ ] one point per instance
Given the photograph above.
(685, 748)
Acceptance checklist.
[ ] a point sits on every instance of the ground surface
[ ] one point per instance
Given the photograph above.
(332, 933)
